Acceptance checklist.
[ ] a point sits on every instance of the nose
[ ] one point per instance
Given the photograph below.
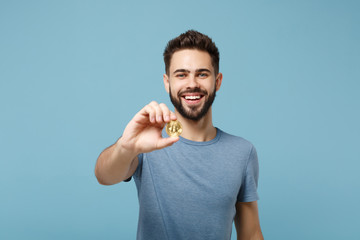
(193, 81)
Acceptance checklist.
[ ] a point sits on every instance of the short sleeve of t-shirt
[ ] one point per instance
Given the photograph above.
(248, 189)
(138, 169)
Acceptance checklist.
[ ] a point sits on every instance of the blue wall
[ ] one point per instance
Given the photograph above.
(73, 73)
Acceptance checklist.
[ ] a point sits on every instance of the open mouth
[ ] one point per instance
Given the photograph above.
(192, 98)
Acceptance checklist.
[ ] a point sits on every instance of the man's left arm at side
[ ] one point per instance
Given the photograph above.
(247, 223)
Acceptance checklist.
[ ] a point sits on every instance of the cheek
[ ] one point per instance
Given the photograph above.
(210, 87)
(172, 90)
(175, 88)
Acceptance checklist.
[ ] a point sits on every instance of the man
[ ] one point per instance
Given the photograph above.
(196, 185)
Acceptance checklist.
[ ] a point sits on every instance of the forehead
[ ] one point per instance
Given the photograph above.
(190, 59)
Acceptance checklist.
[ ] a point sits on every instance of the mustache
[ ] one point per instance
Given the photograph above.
(193, 90)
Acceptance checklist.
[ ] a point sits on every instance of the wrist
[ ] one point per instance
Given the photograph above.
(125, 148)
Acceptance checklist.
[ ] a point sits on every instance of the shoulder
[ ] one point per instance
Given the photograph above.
(235, 141)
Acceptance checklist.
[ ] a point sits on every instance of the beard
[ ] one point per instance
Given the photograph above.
(194, 113)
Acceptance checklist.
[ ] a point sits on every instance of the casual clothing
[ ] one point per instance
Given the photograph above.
(189, 190)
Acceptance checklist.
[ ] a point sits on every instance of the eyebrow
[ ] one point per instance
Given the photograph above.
(187, 71)
(181, 70)
(203, 70)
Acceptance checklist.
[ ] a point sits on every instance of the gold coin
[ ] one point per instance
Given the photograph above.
(173, 128)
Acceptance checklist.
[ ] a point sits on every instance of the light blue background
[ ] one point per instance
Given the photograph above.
(73, 73)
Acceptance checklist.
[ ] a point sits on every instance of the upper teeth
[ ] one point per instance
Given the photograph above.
(192, 97)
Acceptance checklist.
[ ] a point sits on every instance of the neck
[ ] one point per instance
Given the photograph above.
(199, 131)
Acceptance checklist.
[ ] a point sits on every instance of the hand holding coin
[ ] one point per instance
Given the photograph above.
(143, 132)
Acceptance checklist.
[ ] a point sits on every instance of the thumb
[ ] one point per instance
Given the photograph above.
(166, 142)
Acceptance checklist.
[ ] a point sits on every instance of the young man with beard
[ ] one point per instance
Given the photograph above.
(196, 185)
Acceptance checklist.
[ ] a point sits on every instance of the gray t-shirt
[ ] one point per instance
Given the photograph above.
(189, 190)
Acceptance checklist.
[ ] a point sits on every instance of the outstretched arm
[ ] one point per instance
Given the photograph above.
(142, 134)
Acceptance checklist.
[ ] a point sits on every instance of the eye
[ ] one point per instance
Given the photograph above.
(181, 75)
(203, 75)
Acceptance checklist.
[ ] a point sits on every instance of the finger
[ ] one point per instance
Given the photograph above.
(165, 111)
(151, 112)
(159, 117)
(166, 142)
(172, 116)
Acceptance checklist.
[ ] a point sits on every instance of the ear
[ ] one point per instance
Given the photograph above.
(218, 81)
(166, 82)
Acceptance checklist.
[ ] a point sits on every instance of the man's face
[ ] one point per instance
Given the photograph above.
(192, 83)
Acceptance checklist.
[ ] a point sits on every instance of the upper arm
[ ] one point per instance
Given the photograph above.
(247, 221)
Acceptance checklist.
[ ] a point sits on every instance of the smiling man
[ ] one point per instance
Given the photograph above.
(196, 185)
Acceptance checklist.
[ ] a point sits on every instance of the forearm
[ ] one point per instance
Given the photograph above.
(113, 164)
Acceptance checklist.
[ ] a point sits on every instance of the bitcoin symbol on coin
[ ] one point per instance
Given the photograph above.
(173, 128)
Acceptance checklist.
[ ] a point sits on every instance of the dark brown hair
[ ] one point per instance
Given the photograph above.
(192, 40)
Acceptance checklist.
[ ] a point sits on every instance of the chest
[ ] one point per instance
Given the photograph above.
(196, 175)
